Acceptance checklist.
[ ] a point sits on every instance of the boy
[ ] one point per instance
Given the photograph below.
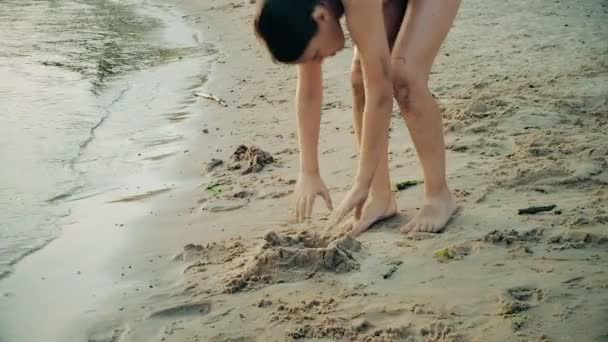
(396, 42)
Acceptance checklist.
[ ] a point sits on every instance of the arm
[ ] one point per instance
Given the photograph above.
(365, 21)
(309, 96)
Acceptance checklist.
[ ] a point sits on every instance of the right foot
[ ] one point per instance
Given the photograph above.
(376, 208)
(434, 215)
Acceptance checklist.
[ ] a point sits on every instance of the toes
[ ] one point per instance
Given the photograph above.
(407, 228)
(360, 227)
(347, 227)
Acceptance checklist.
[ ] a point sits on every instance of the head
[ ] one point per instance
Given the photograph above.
(298, 31)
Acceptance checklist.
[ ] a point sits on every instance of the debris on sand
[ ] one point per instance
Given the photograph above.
(407, 184)
(214, 189)
(213, 164)
(287, 257)
(264, 303)
(213, 98)
(535, 210)
(254, 158)
(394, 266)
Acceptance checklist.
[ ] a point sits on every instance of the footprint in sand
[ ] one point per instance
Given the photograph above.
(187, 309)
(439, 332)
(224, 338)
(211, 254)
(107, 332)
(518, 299)
(141, 197)
(577, 240)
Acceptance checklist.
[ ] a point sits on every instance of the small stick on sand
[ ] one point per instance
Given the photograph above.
(559, 259)
(534, 210)
(395, 266)
(213, 98)
(573, 280)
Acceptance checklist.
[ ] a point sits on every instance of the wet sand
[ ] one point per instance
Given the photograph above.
(524, 93)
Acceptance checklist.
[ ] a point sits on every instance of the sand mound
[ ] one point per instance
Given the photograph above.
(512, 237)
(254, 158)
(293, 256)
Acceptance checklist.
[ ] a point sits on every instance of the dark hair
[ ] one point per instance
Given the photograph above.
(287, 27)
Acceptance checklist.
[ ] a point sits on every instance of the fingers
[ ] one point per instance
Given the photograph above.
(327, 198)
(304, 207)
(359, 228)
(358, 210)
(346, 228)
(297, 210)
(301, 209)
(309, 206)
(340, 214)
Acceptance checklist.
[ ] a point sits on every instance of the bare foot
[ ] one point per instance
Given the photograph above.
(434, 215)
(377, 208)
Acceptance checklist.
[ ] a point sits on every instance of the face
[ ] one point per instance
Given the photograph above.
(328, 40)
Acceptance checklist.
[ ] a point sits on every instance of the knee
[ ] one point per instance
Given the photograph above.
(408, 83)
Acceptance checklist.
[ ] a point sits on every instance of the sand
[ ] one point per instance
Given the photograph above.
(523, 88)
(524, 92)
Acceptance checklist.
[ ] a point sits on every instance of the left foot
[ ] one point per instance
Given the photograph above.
(434, 215)
(376, 208)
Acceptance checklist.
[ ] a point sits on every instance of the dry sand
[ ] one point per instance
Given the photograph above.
(524, 91)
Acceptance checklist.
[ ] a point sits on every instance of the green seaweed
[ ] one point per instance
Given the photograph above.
(445, 253)
(214, 189)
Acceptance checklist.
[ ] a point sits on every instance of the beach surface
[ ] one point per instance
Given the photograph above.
(205, 248)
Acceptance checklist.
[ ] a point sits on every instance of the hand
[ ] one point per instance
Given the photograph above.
(309, 186)
(355, 199)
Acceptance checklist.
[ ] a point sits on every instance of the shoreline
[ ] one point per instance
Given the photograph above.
(65, 282)
(492, 275)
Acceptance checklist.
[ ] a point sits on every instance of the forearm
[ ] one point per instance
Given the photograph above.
(374, 137)
(309, 97)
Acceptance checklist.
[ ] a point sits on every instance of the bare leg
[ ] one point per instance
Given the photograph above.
(422, 33)
(380, 204)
